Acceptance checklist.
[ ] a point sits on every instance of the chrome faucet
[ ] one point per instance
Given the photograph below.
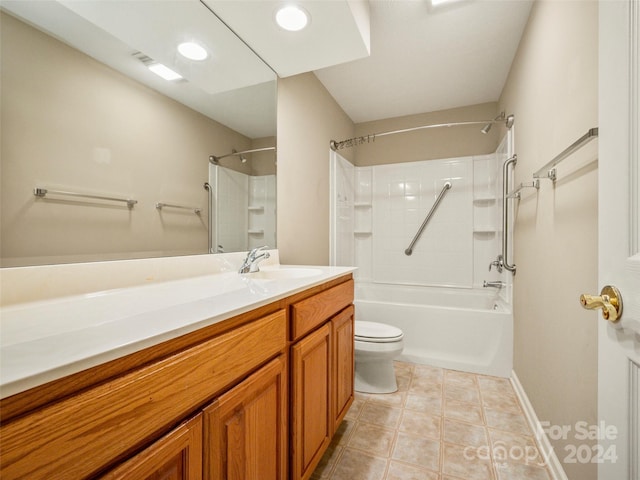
(255, 256)
(498, 263)
(497, 284)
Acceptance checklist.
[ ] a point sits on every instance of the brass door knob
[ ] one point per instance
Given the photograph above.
(609, 300)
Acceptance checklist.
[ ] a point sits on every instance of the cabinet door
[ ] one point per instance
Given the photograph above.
(343, 363)
(311, 401)
(177, 456)
(245, 429)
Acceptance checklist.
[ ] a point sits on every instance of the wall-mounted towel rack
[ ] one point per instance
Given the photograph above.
(161, 205)
(549, 171)
(43, 192)
(516, 192)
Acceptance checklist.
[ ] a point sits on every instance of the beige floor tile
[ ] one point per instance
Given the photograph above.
(513, 448)
(380, 414)
(467, 412)
(460, 461)
(403, 471)
(371, 438)
(508, 421)
(421, 424)
(501, 401)
(327, 463)
(417, 451)
(355, 464)
(461, 394)
(424, 371)
(464, 433)
(460, 379)
(438, 426)
(521, 472)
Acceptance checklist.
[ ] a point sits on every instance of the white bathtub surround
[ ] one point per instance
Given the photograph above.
(467, 330)
(243, 210)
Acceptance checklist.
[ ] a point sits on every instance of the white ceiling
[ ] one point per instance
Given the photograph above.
(425, 59)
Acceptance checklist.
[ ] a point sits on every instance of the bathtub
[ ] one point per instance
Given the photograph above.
(461, 329)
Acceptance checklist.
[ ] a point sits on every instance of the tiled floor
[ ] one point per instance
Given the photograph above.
(440, 425)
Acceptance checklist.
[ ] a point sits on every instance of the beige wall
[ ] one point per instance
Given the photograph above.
(428, 144)
(71, 123)
(552, 90)
(308, 118)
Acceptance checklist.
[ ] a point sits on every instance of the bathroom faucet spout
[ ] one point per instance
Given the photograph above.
(255, 256)
(497, 284)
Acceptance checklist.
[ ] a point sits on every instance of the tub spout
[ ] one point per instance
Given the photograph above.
(497, 284)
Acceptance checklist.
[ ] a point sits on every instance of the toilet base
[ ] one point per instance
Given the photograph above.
(375, 377)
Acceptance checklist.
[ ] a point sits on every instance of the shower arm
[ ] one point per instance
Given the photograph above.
(505, 214)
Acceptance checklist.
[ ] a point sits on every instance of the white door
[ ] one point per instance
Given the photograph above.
(619, 234)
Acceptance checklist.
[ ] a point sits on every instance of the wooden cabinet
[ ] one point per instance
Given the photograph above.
(311, 424)
(246, 428)
(176, 456)
(255, 397)
(322, 374)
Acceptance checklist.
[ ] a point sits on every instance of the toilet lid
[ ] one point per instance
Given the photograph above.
(377, 332)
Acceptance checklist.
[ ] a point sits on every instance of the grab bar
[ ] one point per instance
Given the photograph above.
(43, 192)
(161, 205)
(505, 214)
(209, 190)
(548, 171)
(409, 249)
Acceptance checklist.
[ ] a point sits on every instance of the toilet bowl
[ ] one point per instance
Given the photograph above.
(376, 345)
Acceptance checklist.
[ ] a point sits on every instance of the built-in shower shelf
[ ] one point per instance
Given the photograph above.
(362, 233)
(257, 208)
(362, 205)
(485, 229)
(256, 232)
(484, 199)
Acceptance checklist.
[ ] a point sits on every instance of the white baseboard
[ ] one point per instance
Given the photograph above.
(544, 445)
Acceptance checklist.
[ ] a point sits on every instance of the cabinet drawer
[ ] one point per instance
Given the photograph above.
(313, 311)
(77, 437)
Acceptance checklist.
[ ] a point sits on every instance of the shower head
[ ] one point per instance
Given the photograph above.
(243, 159)
(500, 118)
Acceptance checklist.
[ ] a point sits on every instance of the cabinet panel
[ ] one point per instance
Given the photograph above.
(246, 428)
(314, 311)
(177, 456)
(343, 363)
(311, 401)
(79, 436)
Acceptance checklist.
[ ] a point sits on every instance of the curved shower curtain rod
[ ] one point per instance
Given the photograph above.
(214, 159)
(352, 142)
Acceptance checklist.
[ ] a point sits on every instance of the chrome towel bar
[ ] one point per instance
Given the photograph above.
(409, 249)
(43, 192)
(516, 193)
(549, 171)
(161, 205)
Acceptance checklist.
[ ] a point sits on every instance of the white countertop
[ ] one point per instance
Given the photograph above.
(47, 340)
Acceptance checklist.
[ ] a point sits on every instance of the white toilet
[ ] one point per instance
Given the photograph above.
(376, 345)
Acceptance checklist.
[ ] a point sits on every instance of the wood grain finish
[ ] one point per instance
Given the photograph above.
(246, 428)
(342, 326)
(311, 422)
(314, 311)
(76, 438)
(176, 456)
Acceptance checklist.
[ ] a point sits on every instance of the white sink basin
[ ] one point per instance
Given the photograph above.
(284, 273)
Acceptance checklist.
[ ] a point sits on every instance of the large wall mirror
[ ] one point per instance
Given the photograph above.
(86, 125)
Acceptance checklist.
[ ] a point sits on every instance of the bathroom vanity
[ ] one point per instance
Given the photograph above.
(247, 383)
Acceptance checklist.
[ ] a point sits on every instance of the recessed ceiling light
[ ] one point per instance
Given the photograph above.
(192, 51)
(292, 18)
(164, 71)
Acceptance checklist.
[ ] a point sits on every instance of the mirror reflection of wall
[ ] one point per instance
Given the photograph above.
(71, 123)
